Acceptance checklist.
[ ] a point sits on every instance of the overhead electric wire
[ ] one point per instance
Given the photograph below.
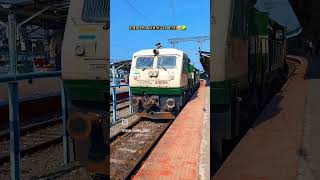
(137, 11)
(142, 15)
(173, 15)
(173, 12)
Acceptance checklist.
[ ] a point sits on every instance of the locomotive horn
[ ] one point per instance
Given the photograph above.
(156, 52)
(80, 124)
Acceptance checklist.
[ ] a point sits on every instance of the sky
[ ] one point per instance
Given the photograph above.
(124, 13)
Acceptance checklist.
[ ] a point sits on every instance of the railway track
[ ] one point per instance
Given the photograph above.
(37, 136)
(120, 108)
(131, 146)
(120, 101)
(33, 138)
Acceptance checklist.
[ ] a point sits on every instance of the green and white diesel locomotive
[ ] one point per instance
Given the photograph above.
(248, 62)
(161, 81)
(85, 63)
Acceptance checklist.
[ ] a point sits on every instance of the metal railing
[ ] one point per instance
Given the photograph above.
(113, 86)
(14, 119)
(12, 79)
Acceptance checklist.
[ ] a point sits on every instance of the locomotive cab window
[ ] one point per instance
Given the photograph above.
(167, 61)
(95, 11)
(144, 62)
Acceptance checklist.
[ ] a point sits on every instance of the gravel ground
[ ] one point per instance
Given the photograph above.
(124, 122)
(5, 125)
(47, 164)
(120, 114)
(126, 150)
(120, 105)
(33, 138)
(118, 127)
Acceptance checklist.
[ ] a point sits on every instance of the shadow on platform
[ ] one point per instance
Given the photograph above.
(313, 69)
(267, 115)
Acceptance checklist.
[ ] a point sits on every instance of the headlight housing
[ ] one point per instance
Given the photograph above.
(79, 50)
(170, 103)
(155, 73)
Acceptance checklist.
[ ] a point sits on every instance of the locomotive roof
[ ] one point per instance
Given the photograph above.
(161, 51)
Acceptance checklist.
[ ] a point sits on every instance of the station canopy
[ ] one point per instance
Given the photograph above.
(54, 17)
(281, 12)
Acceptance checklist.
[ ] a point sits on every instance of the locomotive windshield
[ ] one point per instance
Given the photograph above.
(167, 61)
(144, 62)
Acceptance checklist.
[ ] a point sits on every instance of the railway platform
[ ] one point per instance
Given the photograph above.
(283, 142)
(183, 151)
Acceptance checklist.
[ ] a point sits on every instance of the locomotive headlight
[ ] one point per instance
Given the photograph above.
(135, 77)
(80, 51)
(170, 103)
(150, 73)
(155, 73)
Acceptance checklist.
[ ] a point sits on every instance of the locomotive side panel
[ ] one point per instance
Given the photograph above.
(84, 57)
(221, 27)
(84, 47)
(237, 64)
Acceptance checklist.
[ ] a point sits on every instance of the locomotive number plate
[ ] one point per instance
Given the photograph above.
(161, 82)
